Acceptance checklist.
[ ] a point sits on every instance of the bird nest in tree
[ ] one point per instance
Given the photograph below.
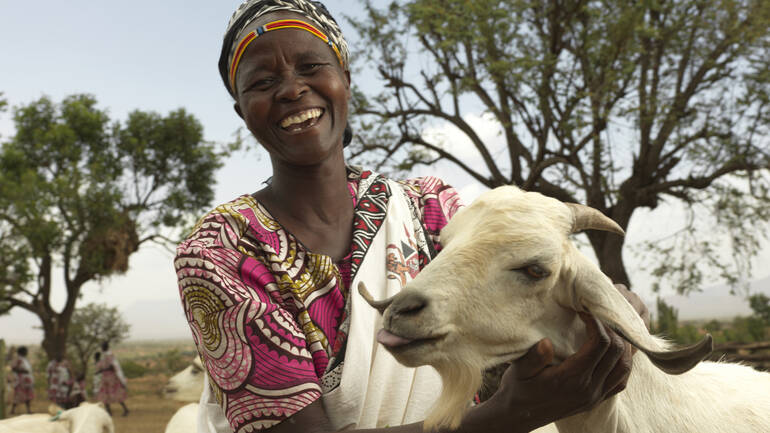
(107, 249)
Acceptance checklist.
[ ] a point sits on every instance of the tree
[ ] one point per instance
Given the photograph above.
(80, 194)
(617, 104)
(90, 326)
(760, 304)
(668, 320)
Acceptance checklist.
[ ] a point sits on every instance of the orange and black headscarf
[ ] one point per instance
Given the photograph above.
(319, 22)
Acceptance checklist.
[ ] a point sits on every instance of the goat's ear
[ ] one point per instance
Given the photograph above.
(593, 292)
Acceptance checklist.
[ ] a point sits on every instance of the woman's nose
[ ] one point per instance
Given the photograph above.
(291, 88)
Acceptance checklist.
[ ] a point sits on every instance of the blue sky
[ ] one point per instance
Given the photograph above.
(158, 56)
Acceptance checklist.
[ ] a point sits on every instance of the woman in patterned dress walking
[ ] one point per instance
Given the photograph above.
(112, 382)
(23, 380)
(59, 381)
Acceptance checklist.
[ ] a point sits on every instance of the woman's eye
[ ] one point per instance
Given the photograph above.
(262, 84)
(310, 67)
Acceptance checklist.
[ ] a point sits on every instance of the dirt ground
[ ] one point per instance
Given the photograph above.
(149, 412)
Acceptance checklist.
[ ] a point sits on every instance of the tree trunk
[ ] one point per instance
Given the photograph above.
(2, 379)
(54, 336)
(609, 252)
(609, 246)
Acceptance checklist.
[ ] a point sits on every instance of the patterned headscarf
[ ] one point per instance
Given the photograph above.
(250, 10)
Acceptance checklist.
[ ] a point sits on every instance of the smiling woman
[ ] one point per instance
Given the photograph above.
(302, 72)
(265, 279)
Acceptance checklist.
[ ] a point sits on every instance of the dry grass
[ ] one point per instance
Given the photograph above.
(149, 412)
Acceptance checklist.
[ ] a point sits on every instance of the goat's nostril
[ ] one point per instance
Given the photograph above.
(409, 305)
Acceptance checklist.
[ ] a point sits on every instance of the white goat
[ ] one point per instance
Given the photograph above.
(185, 420)
(509, 276)
(86, 418)
(187, 385)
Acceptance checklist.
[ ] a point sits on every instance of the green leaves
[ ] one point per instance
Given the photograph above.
(81, 192)
(91, 325)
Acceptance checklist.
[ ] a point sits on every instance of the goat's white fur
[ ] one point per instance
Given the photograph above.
(185, 419)
(86, 418)
(489, 311)
(186, 385)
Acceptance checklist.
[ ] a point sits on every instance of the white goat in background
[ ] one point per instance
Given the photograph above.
(187, 385)
(509, 276)
(86, 418)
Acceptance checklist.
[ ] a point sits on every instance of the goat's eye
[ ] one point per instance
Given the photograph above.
(536, 272)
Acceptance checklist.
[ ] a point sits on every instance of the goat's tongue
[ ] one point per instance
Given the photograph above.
(391, 340)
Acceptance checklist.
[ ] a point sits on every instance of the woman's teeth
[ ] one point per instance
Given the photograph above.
(302, 117)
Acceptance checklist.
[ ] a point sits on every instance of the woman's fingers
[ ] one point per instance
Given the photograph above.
(610, 371)
(599, 363)
(618, 377)
(591, 352)
(608, 357)
(598, 369)
(535, 360)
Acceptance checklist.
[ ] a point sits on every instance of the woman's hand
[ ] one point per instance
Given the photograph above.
(534, 393)
(537, 393)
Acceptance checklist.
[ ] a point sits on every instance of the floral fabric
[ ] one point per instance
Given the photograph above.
(268, 316)
(23, 383)
(59, 381)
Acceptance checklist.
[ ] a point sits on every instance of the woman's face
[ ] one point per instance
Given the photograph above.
(293, 94)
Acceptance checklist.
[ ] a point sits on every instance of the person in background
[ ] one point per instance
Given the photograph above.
(59, 381)
(112, 383)
(268, 280)
(78, 393)
(97, 374)
(22, 380)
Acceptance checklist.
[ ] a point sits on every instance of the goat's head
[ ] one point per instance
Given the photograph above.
(507, 277)
(186, 385)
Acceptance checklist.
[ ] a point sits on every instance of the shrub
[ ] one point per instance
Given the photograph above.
(133, 370)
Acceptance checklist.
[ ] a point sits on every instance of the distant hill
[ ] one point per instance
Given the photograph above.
(714, 302)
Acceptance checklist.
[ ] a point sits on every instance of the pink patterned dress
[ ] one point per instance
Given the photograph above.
(112, 384)
(23, 381)
(59, 381)
(269, 317)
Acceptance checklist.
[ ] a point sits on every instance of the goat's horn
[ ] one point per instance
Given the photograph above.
(377, 305)
(588, 218)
